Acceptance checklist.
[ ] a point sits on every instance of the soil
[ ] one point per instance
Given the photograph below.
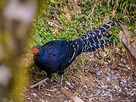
(100, 76)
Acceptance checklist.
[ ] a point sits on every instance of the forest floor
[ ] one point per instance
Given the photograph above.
(103, 76)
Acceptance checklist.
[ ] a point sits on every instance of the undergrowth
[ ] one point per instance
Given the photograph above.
(68, 19)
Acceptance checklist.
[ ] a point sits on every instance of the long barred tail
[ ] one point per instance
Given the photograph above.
(94, 39)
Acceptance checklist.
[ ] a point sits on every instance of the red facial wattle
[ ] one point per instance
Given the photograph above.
(35, 51)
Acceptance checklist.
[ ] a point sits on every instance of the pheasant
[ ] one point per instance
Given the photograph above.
(55, 56)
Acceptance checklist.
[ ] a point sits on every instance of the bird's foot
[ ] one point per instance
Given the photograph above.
(39, 84)
(60, 84)
(57, 86)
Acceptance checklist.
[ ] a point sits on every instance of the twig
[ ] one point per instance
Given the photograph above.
(92, 11)
(71, 96)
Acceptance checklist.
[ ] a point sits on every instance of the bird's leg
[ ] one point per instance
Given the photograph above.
(39, 83)
(60, 83)
(61, 79)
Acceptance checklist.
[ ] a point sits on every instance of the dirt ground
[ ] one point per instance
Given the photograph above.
(100, 77)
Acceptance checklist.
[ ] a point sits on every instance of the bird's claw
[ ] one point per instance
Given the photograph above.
(56, 86)
(39, 84)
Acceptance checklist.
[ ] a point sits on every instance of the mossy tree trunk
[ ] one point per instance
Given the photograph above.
(15, 25)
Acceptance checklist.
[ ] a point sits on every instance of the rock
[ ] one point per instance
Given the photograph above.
(104, 54)
(106, 93)
(122, 65)
(109, 61)
(108, 78)
(98, 91)
(129, 39)
(83, 94)
(124, 61)
(97, 68)
(69, 84)
(112, 72)
(98, 73)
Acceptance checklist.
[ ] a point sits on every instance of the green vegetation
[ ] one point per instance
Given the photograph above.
(68, 19)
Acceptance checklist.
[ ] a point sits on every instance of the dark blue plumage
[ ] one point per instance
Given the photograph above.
(56, 56)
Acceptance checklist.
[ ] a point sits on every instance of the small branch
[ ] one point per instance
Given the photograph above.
(92, 11)
(71, 96)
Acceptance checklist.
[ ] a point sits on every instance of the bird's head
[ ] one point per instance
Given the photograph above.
(37, 50)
